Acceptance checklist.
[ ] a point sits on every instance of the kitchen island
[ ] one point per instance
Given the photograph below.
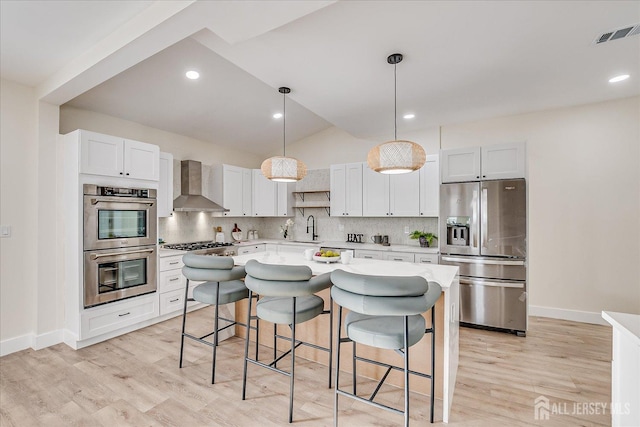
(317, 330)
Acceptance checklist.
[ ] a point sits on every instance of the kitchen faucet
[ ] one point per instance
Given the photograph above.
(313, 227)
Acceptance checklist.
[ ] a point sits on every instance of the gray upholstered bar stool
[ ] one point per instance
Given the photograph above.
(223, 285)
(384, 312)
(286, 297)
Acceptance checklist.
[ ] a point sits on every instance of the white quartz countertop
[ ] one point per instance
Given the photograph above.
(341, 245)
(442, 274)
(628, 324)
(169, 252)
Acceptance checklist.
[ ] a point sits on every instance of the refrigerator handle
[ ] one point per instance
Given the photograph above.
(474, 221)
(518, 285)
(483, 218)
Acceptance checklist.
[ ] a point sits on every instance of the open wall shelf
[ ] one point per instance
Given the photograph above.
(315, 204)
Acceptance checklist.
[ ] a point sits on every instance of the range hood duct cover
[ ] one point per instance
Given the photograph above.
(191, 198)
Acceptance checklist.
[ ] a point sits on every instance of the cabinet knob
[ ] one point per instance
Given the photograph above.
(391, 213)
(484, 176)
(477, 177)
(120, 173)
(127, 173)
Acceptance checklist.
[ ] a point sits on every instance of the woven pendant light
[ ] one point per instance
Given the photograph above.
(397, 156)
(283, 168)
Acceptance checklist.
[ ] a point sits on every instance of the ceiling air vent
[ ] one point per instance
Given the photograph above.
(619, 33)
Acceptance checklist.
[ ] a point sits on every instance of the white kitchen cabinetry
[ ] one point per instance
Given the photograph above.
(404, 194)
(265, 195)
(171, 283)
(243, 250)
(233, 189)
(165, 186)
(430, 187)
(285, 202)
(390, 195)
(112, 156)
(625, 368)
(426, 258)
(502, 161)
(398, 256)
(346, 189)
(359, 253)
(111, 317)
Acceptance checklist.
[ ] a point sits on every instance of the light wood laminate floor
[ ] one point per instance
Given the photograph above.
(134, 380)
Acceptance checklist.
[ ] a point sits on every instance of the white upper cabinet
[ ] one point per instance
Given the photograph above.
(165, 186)
(503, 161)
(390, 195)
(233, 189)
(346, 189)
(265, 195)
(113, 156)
(375, 193)
(430, 187)
(285, 199)
(461, 164)
(404, 194)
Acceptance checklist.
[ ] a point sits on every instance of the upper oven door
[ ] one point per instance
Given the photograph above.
(119, 222)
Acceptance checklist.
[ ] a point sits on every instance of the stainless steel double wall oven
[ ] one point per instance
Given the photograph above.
(120, 243)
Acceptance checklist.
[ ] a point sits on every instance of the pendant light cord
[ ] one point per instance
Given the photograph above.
(284, 125)
(395, 103)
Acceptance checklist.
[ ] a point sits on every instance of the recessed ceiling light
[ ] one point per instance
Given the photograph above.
(193, 75)
(619, 78)
(277, 115)
(409, 116)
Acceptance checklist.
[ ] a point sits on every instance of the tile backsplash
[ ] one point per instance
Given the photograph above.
(195, 226)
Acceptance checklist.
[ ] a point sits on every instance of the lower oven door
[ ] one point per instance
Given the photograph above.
(115, 274)
(495, 303)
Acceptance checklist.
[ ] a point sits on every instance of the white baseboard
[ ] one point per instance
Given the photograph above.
(564, 314)
(47, 339)
(13, 345)
(33, 341)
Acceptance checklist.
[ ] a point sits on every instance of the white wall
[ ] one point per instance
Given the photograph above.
(334, 145)
(584, 201)
(182, 147)
(19, 209)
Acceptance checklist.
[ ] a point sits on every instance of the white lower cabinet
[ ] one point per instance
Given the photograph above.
(113, 316)
(426, 258)
(368, 254)
(243, 250)
(171, 285)
(398, 256)
(171, 301)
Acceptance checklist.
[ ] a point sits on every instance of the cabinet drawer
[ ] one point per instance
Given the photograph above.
(398, 256)
(171, 263)
(368, 254)
(171, 301)
(171, 281)
(111, 317)
(243, 250)
(426, 258)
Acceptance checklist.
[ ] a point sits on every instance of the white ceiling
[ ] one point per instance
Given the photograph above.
(463, 61)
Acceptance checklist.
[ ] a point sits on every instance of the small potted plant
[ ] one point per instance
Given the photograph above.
(425, 239)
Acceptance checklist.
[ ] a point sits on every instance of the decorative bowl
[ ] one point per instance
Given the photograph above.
(326, 259)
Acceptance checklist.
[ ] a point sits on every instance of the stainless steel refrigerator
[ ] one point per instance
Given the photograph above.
(483, 231)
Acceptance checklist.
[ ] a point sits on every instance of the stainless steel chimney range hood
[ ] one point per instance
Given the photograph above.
(191, 198)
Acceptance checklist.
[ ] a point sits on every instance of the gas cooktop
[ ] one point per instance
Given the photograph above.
(196, 246)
